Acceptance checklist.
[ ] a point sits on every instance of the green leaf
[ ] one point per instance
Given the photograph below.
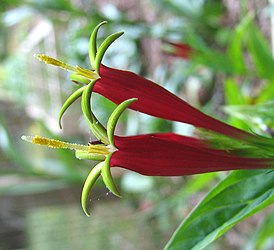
(68, 102)
(235, 49)
(232, 93)
(89, 183)
(107, 177)
(103, 48)
(260, 53)
(263, 236)
(92, 50)
(193, 185)
(238, 196)
(266, 93)
(214, 59)
(259, 117)
(234, 97)
(114, 117)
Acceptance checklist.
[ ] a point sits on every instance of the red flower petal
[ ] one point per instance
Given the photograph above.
(118, 85)
(175, 155)
(181, 50)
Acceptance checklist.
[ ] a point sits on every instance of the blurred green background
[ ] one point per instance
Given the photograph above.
(229, 75)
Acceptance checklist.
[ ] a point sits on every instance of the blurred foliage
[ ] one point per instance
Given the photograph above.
(230, 75)
(263, 236)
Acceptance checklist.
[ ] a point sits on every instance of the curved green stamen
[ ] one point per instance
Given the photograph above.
(92, 51)
(72, 98)
(114, 117)
(107, 177)
(103, 48)
(85, 103)
(96, 127)
(96, 56)
(89, 183)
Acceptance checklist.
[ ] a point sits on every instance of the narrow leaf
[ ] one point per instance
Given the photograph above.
(260, 53)
(68, 102)
(232, 94)
(238, 196)
(234, 97)
(263, 237)
(113, 119)
(235, 49)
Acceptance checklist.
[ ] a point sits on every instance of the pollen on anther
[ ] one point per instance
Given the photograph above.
(50, 60)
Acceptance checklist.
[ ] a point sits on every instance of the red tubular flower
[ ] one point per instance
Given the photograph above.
(119, 85)
(181, 50)
(175, 155)
(166, 154)
(151, 154)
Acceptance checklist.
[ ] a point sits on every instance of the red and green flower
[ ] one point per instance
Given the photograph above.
(181, 50)
(120, 85)
(156, 154)
(159, 154)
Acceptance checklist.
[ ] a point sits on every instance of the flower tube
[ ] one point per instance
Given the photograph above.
(176, 155)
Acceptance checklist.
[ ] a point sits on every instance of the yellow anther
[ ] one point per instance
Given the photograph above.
(89, 74)
(50, 60)
(51, 143)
